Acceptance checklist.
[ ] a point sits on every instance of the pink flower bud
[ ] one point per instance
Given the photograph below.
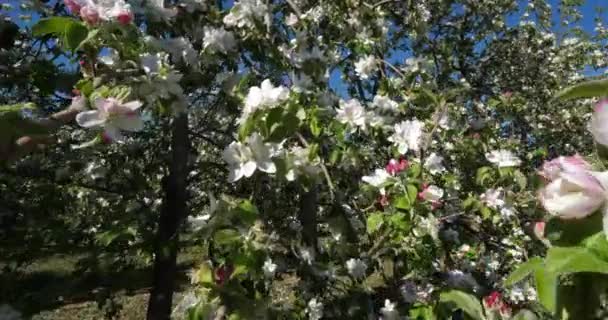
(493, 300)
(383, 200)
(539, 230)
(125, 17)
(73, 6)
(90, 15)
(222, 274)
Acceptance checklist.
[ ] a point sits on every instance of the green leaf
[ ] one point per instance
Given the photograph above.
(573, 232)
(415, 170)
(403, 202)
(587, 89)
(71, 31)
(483, 174)
(564, 260)
(520, 179)
(598, 244)
(374, 222)
(248, 212)
(204, 274)
(468, 303)
(315, 127)
(54, 25)
(523, 271)
(225, 237)
(75, 34)
(546, 288)
(90, 36)
(412, 192)
(422, 312)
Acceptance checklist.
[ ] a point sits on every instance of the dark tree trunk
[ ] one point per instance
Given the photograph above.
(172, 214)
(308, 218)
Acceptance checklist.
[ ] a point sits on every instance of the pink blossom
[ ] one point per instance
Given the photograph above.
(572, 190)
(383, 200)
(125, 17)
(599, 123)
(539, 229)
(393, 167)
(73, 5)
(90, 15)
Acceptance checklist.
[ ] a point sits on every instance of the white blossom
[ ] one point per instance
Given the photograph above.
(379, 177)
(389, 311)
(432, 193)
(356, 268)
(434, 163)
(245, 13)
(351, 112)
(181, 49)
(113, 116)
(269, 268)
(494, 198)
(407, 135)
(503, 158)
(218, 40)
(264, 96)
(244, 159)
(385, 103)
(314, 309)
(366, 66)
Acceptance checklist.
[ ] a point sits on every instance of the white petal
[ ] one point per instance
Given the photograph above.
(235, 174)
(133, 105)
(129, 123)
(248, 168)
(267, 166)
(89, 119)
(113, 134)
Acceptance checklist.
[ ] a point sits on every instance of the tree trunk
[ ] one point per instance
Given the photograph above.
(172, 214)
(308, 218)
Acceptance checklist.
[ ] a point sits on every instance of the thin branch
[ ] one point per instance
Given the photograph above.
(330, 183)
(294, 7)
(377, 4)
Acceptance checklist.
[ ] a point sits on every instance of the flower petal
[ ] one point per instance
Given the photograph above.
(113, 134)
(248, 168)
(89, 119)
(129, 123)
(133, 105)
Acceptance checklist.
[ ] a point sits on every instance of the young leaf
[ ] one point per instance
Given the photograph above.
(546, 287)
(587, 89)
(573, 260)
(468, 303)
(374, 221)
(523, 271)
(54, 25)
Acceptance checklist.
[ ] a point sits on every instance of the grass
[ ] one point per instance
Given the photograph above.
(52, 288)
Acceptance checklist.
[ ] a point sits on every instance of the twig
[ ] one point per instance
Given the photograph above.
(294, 8)
(377, 4)
(330, 184)
(390, 65)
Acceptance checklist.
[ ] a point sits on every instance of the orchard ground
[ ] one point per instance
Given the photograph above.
(53, 286)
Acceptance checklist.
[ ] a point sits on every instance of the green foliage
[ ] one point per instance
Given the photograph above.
(466, 302)
(70, 31)
(586, 89)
